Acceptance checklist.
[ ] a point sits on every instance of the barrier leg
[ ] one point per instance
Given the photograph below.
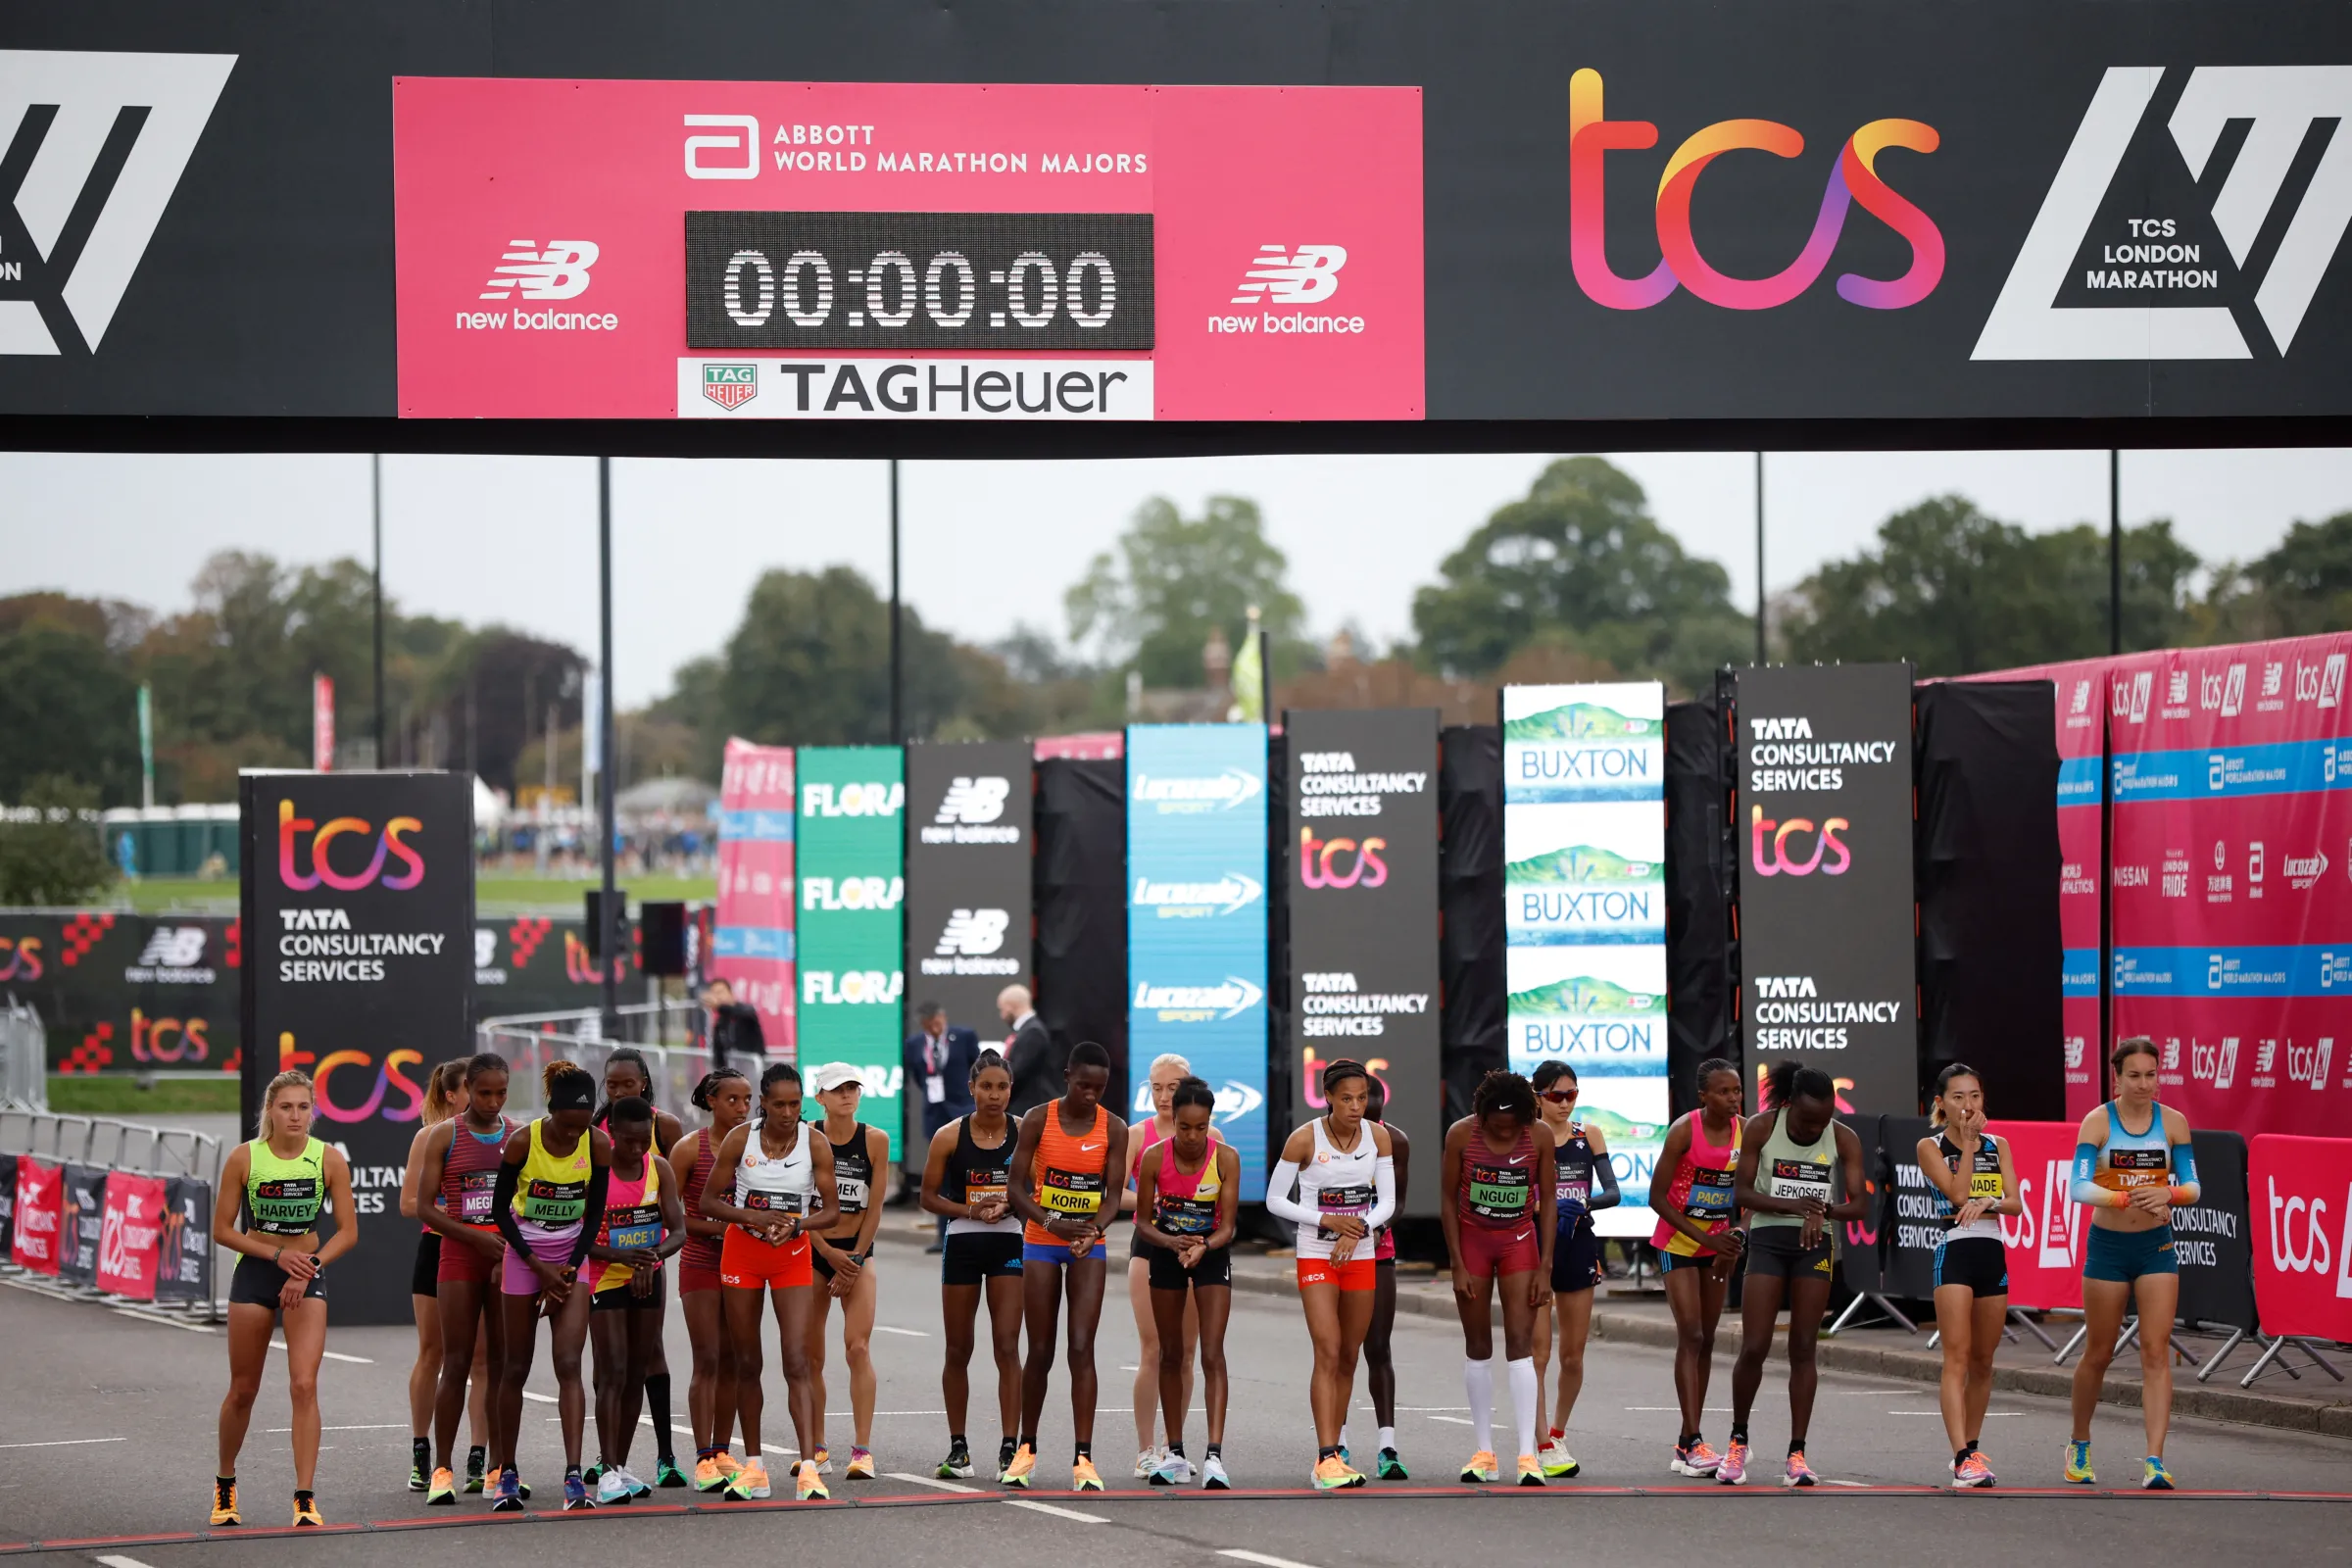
(2269, 1351)
(2072, 1346)
(2236, 1338)
(2311, 1350)
(2017, 1315)
(1847, 1317)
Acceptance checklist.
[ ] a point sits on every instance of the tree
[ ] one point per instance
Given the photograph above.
(50, 855)
(811, 666)
(1581, 563)
(1173, 578)
(2302, 587)
(66, 707)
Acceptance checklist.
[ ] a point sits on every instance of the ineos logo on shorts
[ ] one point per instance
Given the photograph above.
(107, 137)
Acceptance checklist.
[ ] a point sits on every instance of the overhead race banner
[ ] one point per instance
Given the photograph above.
(1197, 919)
(1823, 821)
(1363, 912)
(853, 875)
(358, 890)
(1584, 887)
(969, 844)
(752, 944)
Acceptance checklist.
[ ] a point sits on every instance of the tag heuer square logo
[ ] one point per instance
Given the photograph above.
(730, 387)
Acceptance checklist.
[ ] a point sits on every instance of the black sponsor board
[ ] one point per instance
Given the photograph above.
(1363, 914)
(2211, 1238)
(358, 905)
(1821, 826)
(7, 1203)
(84, 1220)
(970, 840)
(184, 1259)
(1908, 1224)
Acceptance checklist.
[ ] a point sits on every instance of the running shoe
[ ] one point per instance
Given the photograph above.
(1084, 1477)
(823, 1458)
(1697, 1460)
(728, 1463)
(1970, 1471)
(1147, 1460)
(2153, 1476)
(305, 1511)
(595, 1472)
(416, 1476)
(474, 1469)
(1334, 1475)
(1482, 1468)
(1392, 1466)
(443, 1493)
(861, 1465)
(1558, 1462)
(1003, 1459)
(1175, 1470)
(506, 1492)
(707, 1476)
(1022, 1465)
(1212, 1474)
(224, 1505)
(522, 1488)
(575, 1495)
(1799, 1473)
(668, 1474)
(1531, 1472)
(749, 1483)
(2077, 1464)
(637, 1487)
(806, 1485)
(610, 1489)
(957, 1465)
(1732, 1468)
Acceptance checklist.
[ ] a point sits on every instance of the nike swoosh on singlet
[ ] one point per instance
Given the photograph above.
(1088, 1149)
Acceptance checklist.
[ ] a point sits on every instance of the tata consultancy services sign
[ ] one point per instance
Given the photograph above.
(853, 880)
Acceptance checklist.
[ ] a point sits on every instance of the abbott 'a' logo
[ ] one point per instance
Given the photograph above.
(92, 148)
(2283, 103)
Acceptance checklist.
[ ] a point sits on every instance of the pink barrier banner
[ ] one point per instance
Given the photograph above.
(2301, 1191)
(2044, 1243)
(131, 1234)
(40, 1215)
(752, 946)
(612, 250)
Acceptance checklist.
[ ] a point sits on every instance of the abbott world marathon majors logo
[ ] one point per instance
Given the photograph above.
(1281, 282)
(1212, 1004)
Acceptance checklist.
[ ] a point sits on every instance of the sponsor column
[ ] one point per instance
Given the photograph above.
(968, 823)
(853, 879)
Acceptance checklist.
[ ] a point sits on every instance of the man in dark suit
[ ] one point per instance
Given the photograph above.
(938, 1058)
(1028, 1052)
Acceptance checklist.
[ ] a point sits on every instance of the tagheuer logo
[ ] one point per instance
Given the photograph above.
(730, 387)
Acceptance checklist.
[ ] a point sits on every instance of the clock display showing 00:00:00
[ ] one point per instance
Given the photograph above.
(1035, 293)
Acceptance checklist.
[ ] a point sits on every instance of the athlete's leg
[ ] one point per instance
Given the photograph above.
(820, 1312)
(1543, 1329)
(1005, 1335)
(477, 1395)
(1355, 1321)
(305, 1342)
(644, 1349)
(1519, 1320)
(1992, 1317)
(425, 1374)
(958, 1317)
(706, 1326)
(1089, 1277)
(1808, 1300)
(1575, 1328)
(1321, 1303)
(518, 1322)
(2158, 1297)
(249, 1331)
(1759, 1309)
(1477, 1313)
(463, 1334)
(793, 1313)
(1192, 1342)
(742, 1307)
(1168, 1366)
(1146, 1400)
(1041, 1309)
(1695, 1297)
(609, 1334)
(1380, 1369)
(1212, 1305)
(567, 1339)
(1956, 1321)
(656, 1368)
(857, 1341)
(2103, 1304)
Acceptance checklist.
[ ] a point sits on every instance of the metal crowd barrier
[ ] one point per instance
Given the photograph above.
(24, 1058)
(110, 1144)
(530, 1041)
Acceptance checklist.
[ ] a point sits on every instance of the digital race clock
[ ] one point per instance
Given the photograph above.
(956, 282)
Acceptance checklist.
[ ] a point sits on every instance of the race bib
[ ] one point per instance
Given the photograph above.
(644, 1236)
(1800, 1179)
(852, 1191)
(1500, 1190)
(981, 1184)
(1710, 1195)
(1577, 1191)
(2128, 1168)
(786, 1204)
(1071, 1192)
(554, 1202)
(476, 1193)
(1984, 1184)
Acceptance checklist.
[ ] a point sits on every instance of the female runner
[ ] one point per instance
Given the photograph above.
(1188, 1205)
(1345, 1169)
(772, 1182)
(2132, 1166)
(841, 1256)
(458, 1163)
(966, 1182)
(627, 1076)
(1380, 1365)
(644, 1223)
(549, 1201)
(1168, 1071)
(1500, 1169)
(1974, 1181)
(272, 1191)
(441, 1090)
(726, 1095)
(1587, 1184)
(1793, 1156)
(1698, 1244)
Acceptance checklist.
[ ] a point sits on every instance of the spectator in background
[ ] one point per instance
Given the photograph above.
(736, 1038)
(1028, 1052)
(938, 1060)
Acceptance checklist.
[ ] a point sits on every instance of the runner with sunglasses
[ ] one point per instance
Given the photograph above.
(1584, 1181)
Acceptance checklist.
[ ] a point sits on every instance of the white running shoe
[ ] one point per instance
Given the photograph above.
(1212, 1474)
(1174, 1470)
(1148, 1460)
(637, 1487)
(610, 1489)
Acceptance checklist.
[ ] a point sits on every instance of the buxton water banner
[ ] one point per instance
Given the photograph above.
(1363, 912)
(853, 873)
(1822, 818)
(752, 943)
(969, 814)
(1584, 886)
(1197, 919)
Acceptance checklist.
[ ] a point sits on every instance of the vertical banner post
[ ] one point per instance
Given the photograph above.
(853, 873)
(970, 829)
(752, 942)
(323, 723)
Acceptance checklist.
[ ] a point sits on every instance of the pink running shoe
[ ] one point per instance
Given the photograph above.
(1971, 1471)
(1697, 1460)
(1733, 1471)
(1800, 1474)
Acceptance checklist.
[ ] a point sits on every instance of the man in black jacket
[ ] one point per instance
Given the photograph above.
(1028, 1052)
(938, 1060)
(736, 1038)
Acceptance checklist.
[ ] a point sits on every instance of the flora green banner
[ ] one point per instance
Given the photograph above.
(852, 876)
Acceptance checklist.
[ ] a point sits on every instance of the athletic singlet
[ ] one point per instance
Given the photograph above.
(1572, 1190)
(700, 1251)
(1984, 1181)
(1497, 1190)
(632, 1216)
(1701, 1188)
(2128, 1159)
(283, 1197)
(784, 1184)
(1070, 1171)
(1335, 1181)
(470, 1173)
(974, 1173)
(1186, 1204)
(852, 1177)
(1787, 1168)
(552, 1190)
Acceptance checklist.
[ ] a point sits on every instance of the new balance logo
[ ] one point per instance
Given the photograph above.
(98, 144)
(174, 946)
(1307, 275)
(557, 273)
(973, 932)
(974, 800)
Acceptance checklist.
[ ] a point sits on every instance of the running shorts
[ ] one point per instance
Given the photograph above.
(620, 1298)
(1979, 1262)
(1576, 1258)
(424, 1276)
(1495, 1250)
(551, 1247)
(257, 1282)
(1357, 1274)
(1215, 1268)
(463, 1262)
(971, 1257)
(2125, 1255)
(1056, 1253)
(1779, 1253)
(1668, 1262)
(695, 1275)
(748, 1263)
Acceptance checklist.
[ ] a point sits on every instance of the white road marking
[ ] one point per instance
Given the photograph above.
(1457, 1420)
(117, 1560)
(381, 1426)
(1057, 1512)
(538, 1398)
(1260, 1559)
(162, 1320)
(62, 1442)
(331, 1355)
(1676, 1409)
(912, 1334)
(1827, 1482)
(928, 1481)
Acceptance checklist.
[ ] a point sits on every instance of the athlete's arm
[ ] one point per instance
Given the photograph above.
(667, 1129)
(1670, 1158)
(1279, 1201)
(825, 1209)
(1951, 1183)
(1116, 1130)
(2011, 1202)
(1404, 1155)
(1604, 1174)
(719, 1192)
(1850, 1156)
(233, 1175)
(1743, 1182)
(1018, 1187)
(346, 1211)
(935, 1171)
(1147, 1200)
(1450, 1184)
(2085, 1189)
(600, 1182)
(409, 1172)
(1229, 1197)
(673, 1220)
(502, 1198)
(870, 1222)
(427, 1165)
(2185, 1187)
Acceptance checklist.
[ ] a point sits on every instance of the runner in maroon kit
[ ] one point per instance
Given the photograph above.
(458, 1163)
(710, 1396)
(1498, 1166)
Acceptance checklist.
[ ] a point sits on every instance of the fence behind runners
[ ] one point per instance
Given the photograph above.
(99, 1210)
(24, 1058)
(530, 1041)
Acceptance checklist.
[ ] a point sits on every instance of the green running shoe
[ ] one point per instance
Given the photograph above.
(2077, 1464)
(668, 1474)
(1391, 1467)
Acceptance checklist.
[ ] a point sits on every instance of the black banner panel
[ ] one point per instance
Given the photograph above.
(359, 895)
(1363, 914)
(1823, 821)
(970, 834)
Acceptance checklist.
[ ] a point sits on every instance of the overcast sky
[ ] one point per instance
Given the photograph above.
(987, 545)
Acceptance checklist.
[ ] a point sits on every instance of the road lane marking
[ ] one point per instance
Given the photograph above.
(331, 1355)
(1260, 1559)
(928, 1481)
(912, 1334)
(1456, 1420)
(63, 1443)
(1057, 1512)
(380, 1426)
(162, 1319)
(117, 1560)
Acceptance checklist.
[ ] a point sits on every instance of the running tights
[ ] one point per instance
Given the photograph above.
(1478, 1383)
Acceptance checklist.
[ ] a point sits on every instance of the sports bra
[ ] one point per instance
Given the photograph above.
(632, 1216)
(469, 1172)
(780, 1184)
(1702, 1187)
(973, 1173)
(2128, 1159)
(1070, 1171)
(1335, 1181)
(853, 1174)
(552, 1190)
(1186, 1204)
(1984, 1181)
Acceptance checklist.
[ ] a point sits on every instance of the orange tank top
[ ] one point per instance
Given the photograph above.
(1072, 1173)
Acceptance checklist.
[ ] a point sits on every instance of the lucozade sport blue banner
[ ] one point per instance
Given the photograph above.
(1197, 919)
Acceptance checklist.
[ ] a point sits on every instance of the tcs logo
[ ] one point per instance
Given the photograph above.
(1774, 860)
(20, 958)
(340, 1072)
(1319, 858)
(291, 828)
(1852, 179)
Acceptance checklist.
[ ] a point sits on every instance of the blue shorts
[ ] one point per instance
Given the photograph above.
(2125, 1255)
(1057, 1254)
